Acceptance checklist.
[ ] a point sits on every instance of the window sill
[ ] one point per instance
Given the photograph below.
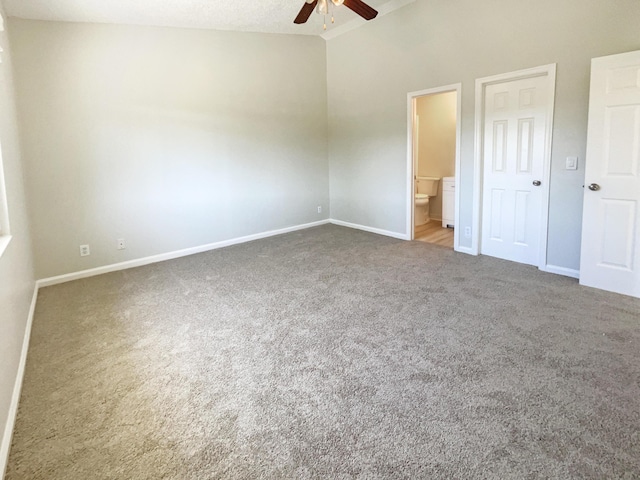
(4, 243)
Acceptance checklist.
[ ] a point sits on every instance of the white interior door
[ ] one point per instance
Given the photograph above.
(610, 226)
(514, 191)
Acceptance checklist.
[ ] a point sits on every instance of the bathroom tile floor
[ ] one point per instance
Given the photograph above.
(432, 232)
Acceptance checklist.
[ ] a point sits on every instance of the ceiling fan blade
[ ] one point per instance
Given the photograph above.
(305, 12)
(361, 8)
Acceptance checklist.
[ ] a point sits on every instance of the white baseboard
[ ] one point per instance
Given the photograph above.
(7, 435)
(45, 282)
(68, 277)
(567, 272)
(387, 233)
(467, 250)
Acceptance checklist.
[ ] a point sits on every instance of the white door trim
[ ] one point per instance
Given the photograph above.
(411, 102)
(481, 84)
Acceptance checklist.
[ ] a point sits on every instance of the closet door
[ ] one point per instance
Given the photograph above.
(609, 257)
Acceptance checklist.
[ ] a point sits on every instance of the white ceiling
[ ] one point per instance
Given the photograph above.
(269, 16)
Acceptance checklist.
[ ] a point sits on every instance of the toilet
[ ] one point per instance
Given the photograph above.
(426, 187)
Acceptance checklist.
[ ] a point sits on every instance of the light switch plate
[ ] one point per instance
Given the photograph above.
(571, 163)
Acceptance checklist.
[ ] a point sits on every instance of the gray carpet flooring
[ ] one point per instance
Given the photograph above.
(330, 353)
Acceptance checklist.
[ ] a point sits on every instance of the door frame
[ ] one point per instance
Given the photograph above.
(481, 83)
(411, 116)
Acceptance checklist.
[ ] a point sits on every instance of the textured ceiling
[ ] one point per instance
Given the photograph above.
(270, 16)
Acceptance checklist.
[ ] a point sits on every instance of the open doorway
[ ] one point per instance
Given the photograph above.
(434, 136)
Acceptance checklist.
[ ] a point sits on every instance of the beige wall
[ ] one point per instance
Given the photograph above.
(430, 44)
(173, 138)
(169, 138)
(16, 272)
(436, 141)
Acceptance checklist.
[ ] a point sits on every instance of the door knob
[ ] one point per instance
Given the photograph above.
(537, 183)
(594, 187)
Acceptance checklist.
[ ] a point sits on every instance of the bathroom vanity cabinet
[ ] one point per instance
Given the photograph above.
(448, 201)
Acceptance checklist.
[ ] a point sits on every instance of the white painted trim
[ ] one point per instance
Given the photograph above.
(467, 250)
(411, 118)
(359, 21)
(4, 243)
(458, 230)
(5, 224)
(481, 83)
(411, 113)
(5, 446)
(477, 168)
(567, 272)
(45, 282)
(379, 231)
(546, 181)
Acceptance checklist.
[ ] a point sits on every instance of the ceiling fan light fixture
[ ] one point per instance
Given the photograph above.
(323, 7)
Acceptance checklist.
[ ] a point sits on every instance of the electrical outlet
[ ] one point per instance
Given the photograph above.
(467, 232)
(121, 244)
(84, 250)
(319, 209)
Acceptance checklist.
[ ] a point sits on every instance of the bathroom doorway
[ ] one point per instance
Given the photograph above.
(433, 165)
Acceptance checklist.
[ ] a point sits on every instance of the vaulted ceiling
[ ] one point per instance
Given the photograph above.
(268, 16)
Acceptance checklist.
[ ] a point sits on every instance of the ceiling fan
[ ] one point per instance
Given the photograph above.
(358, 6)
